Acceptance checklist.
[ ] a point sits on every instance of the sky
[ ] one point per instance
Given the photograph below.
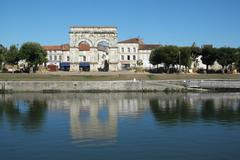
(166, 22)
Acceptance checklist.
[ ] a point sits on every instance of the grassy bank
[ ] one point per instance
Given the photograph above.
(110, 76)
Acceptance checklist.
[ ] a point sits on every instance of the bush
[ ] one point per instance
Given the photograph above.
(158, 70)
(173, 70)
(201, 70)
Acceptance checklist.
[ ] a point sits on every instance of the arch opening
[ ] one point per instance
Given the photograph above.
(84, 46)
(103, 46)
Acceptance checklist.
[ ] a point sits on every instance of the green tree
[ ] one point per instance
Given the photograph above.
(139, 62)
(196, 51)
(237, 60)
(171, 54)
(226, 56)
(165, 54)
(185, 56)
(3, 52)
(155, 56)
(152, 57)
(33, 53)
(208, 55)
(12, 56)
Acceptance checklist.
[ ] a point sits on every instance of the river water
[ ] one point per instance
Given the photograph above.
(199, 126)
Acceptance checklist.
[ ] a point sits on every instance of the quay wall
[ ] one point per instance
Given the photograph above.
(115, 86)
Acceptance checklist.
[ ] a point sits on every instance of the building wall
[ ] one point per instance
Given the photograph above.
(94, 36)
(128, 54)
(144, 56)
(119, 55)
(56, 57)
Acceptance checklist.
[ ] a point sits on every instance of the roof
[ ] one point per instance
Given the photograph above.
(149, 46)
(133, 40)
(142, 46)
(79, 26)
(64, 47)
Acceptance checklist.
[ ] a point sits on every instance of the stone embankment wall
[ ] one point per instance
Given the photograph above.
(83, 86)
(115, 86)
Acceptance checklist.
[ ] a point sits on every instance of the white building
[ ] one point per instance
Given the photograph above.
(132, 50)
(57, 55)
(97, 49)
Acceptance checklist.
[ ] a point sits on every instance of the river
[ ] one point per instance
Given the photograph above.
(200, 126)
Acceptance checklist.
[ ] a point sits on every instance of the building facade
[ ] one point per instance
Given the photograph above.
(97, 49)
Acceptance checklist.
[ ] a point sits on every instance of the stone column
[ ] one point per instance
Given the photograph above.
(74, 60)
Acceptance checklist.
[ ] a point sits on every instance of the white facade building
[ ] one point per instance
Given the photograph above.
(57, 54)
(98, 49)
(132, 50)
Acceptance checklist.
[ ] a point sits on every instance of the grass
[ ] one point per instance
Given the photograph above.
(111, 77)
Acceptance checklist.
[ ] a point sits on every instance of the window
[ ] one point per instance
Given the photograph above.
(55, 58)
(134, 57)
(122, 49)
(134, 50)
(68, 58)
(84, 59)
(50, 57)
(122, 57)
(129, 50)
(128, 57)
(60, 58)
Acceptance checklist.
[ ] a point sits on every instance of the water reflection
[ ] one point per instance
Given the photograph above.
(94, 117)
(218, 107)
(27, 114)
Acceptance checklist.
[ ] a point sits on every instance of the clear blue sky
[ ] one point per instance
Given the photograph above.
(179, 22)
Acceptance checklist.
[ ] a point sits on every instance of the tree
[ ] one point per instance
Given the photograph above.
(12, 56)
(171, 54)
(33, 53)
(237, 60)
(185, 56)
(165, 54)
(226, 56)
(195, 51)
(139, 62)
(208, 55)
(155, 56)
(3, 52)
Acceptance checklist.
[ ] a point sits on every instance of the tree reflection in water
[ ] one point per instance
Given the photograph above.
(26, 114)
(175, 109)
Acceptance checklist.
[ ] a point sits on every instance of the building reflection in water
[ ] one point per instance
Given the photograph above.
(93, 119)
(94, 116)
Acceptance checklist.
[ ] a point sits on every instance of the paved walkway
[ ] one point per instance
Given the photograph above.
(96, 73)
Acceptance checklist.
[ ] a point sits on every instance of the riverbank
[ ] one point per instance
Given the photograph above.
(120, 86)
(110, 76)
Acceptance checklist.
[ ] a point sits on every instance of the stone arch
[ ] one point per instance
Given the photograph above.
(86, 40)
(102, 40)
(103, 45)
(84, 46)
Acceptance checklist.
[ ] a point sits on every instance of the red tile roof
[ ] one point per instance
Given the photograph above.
(149, 46)
(133, 40)
(64, 47)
